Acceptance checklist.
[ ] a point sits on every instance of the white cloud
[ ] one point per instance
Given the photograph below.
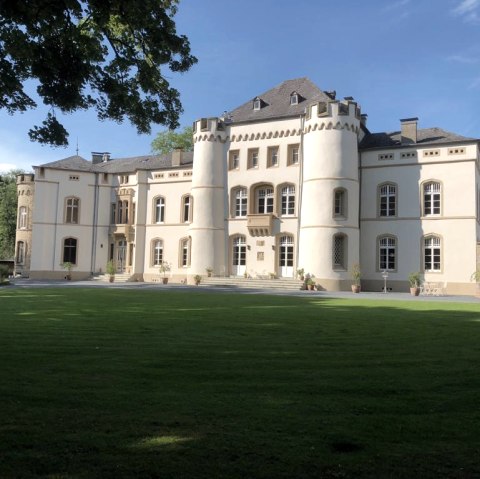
(468, 60)
(469, 10)
(396, 5)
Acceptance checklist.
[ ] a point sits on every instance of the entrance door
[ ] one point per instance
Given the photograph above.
(121, 255)
(239, 256)
(286, 257)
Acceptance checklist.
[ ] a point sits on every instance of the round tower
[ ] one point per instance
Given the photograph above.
(329, 230)
(23, 236)
(207, 230)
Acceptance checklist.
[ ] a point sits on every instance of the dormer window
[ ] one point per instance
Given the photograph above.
(257, 104)
(294, 98)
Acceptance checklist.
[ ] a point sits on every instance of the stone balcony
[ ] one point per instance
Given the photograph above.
(123, 230)
(260, 224)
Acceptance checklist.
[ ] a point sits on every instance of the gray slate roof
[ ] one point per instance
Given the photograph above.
(120, 165)
(424, 136)
(276, 102)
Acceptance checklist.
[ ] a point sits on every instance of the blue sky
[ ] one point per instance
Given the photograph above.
(397, 58)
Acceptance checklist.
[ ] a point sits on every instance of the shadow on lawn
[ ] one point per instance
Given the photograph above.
(234, 386)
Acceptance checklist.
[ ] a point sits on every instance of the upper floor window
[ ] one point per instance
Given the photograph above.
(288, 200)
(240, 203)
(234, 160)
(339, 251)
(159, 209)
(122, 212)
(387, 253)
(257, 103)
(265, 200)
(22, 217)
(252, 158)
(432, 198)
(272, 156)
(293, 154)
(71, 210)
(387, 200)
(186, 209)
(340, 203)
(157, 252)
(70, 250)
(432, 253)
(294, 98)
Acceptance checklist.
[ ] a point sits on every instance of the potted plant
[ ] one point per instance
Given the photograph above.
(476, 277)
(415, 281)
(272, 275)
(209, 271)
(310, 283)
(68, 266)
(301, 274)
(165, 268)
(111, 270)
(356, 275)
(197, 278)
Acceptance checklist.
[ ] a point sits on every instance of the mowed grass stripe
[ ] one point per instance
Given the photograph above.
(123, 383)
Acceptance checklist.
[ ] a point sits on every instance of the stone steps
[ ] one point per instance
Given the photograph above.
(119, 277)
(255, 283)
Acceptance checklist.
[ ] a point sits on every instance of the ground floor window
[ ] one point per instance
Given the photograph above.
(339, 251)
(157, 252)
(20, 252)
(387, 252)
(432, 259)
(70, 250)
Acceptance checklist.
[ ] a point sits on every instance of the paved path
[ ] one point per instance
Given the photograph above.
(30, 283)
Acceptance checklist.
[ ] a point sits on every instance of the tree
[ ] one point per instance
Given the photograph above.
(167, 141)
(8, 213)
(105, 55)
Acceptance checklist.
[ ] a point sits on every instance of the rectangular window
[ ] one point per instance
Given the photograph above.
(293, 154)
(387, 254)
(253, 158)
(338, 253)
(388, 200)
(431, 199)
(241, 203)
(234, 160)
(339, 203)
(272, 156)
(113, 210)
(71, 215)
(288, 200)
(432, 254)
(265, 200)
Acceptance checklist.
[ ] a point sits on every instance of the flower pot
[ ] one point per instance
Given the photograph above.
(165, 280)
(414, 291)
(355, 288)
(310, 287)
(111, 279)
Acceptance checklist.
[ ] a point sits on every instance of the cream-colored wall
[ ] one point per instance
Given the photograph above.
(457, 225)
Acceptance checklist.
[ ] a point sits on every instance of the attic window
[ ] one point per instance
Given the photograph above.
(294, 98)
(257, 104)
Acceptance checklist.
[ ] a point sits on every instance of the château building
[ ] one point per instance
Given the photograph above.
(291, 179)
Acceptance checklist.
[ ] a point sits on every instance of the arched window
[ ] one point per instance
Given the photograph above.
(241, 201)
(22, 217)
(432, 198)
(387, 253)
(339, 251)
(185, 252)
(159, 209)
(387, 195)
(186, 209)
(288, 200)
(70, 250)
(264, 200)
(340, 203)
(432, 253)
(157, 252)
(71, 210)
(20, 252)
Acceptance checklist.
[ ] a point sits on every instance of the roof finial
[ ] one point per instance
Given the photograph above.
(77, 146)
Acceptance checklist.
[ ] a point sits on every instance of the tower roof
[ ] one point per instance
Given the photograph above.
(275, 103)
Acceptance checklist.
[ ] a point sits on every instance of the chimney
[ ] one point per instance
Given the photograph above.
(363, 119)
(409, 130)
(177, 156)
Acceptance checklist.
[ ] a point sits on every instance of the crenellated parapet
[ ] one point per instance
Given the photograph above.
(333, 115)
(209, 129)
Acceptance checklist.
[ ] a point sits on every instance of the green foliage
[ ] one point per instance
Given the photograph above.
(67, 266)
(414, 280)
(4, 272)
(127, 383)
(475, 276)
(197, 278)
(8, 213)
(83, 54)
(167, 141)
(356, 274)
(165, 268)
(111, 269)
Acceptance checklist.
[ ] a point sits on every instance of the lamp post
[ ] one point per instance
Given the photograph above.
(385, 276)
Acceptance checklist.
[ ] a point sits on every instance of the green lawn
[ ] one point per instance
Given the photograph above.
(111, 383)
